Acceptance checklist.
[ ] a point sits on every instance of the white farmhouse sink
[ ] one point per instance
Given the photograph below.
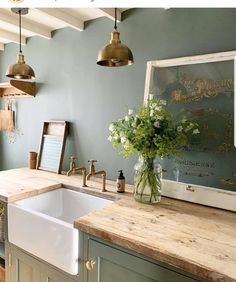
(43, 225)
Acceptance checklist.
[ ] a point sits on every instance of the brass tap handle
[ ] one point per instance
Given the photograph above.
(91, 166)
(92, 161)
(72, 163)
(90, 264)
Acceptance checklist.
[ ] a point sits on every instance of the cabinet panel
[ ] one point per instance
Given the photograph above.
(22, 267)
(115, 265)
(26, 272)
(49, 274)
(107, 271)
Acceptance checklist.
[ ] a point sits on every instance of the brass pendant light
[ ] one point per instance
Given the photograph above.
(20, 70)
(115, 54)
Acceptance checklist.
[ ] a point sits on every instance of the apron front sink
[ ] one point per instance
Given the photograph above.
(43, 225)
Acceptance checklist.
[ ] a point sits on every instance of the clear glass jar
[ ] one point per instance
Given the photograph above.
(147, 181)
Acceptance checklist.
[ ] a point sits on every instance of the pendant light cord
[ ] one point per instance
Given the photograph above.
(20, 28)
(115, 26)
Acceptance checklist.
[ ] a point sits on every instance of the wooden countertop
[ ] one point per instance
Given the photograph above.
(197, 239)
(21, 183)
(194, 238)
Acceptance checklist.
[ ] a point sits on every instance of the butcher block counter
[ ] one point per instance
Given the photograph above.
(197, 239)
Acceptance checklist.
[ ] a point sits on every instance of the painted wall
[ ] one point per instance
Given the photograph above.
(72, 87)
(1, 136)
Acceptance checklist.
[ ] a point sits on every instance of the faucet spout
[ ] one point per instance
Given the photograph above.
(93, 173)
(89, 176)
(83, 171)
(103, 174)
(73, 170)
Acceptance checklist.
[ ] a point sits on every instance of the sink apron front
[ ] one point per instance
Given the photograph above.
(43, 225)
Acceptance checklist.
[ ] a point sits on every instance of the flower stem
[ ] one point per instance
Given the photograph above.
(147, 181)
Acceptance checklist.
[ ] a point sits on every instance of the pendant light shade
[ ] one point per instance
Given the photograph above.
(115, 54)
(20, 70)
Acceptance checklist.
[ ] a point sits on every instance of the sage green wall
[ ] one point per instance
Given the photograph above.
(72, 87)
(1, 145)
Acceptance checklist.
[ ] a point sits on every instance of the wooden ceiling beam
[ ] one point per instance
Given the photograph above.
(62, 16)
(12, 37)
(27, 25)
(110, 13)
(1, 46)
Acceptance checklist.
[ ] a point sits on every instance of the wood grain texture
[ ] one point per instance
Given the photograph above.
(200, 240)
(2, 274)
(17, 89)
(197, 239)
(17, 184)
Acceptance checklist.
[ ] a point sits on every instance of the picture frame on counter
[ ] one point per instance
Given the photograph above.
(200, 87)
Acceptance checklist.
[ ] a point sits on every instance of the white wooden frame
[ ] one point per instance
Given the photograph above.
(184, 191)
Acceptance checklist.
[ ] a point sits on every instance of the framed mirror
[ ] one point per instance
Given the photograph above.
(201, 88)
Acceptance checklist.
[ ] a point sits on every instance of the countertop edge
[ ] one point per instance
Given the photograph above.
(30, 193)
(24, 180)
(175, 261)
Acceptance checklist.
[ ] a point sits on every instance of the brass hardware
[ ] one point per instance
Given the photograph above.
(92, 172)
(20, 70)
(91, 167)
(115, 54)
(190, 188)
(9, 260)
(90, 264)
(73, 170)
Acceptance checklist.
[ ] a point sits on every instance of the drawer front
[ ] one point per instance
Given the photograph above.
(113, 265)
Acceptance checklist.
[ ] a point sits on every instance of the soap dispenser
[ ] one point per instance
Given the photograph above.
(120, 182)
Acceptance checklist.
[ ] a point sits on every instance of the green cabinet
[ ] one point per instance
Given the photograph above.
(3, 229)
(22, 267)
(111, 264)
(49, 274)
(115, 265)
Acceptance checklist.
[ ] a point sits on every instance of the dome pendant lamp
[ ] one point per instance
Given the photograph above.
(115, 54)
(20, 70)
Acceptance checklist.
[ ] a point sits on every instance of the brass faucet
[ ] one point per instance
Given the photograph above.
(92, 172)
(73, 170)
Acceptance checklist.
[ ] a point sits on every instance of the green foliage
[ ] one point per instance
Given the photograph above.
(151, 131)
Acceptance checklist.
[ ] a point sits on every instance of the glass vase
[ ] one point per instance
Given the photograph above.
(147, 181)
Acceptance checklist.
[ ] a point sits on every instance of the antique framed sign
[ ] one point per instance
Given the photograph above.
(200, 88)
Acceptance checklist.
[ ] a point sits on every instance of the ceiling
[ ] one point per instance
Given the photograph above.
(41, 22)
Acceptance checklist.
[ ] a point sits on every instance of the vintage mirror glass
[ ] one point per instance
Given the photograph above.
(200, 88)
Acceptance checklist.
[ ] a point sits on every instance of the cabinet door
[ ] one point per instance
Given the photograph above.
(49, 274)
(22, 268)
(113, 265)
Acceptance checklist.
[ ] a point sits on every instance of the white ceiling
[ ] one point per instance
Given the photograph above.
(43, 21)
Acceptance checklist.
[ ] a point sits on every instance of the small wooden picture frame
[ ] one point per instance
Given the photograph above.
(52, 146)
